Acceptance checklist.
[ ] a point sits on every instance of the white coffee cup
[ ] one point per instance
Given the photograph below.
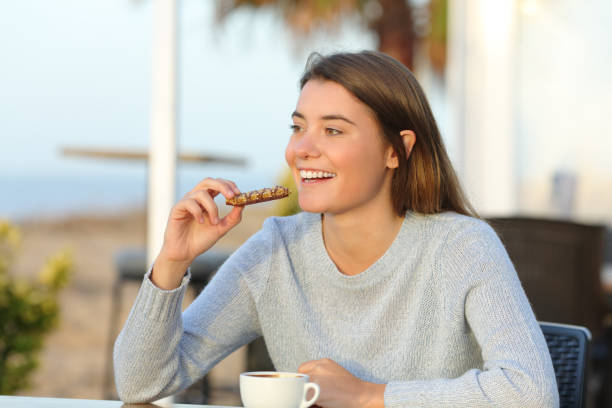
(272, 389)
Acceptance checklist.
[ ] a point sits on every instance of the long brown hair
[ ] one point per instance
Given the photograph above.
(424, 182)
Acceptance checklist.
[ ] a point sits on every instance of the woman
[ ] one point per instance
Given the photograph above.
(387, 290)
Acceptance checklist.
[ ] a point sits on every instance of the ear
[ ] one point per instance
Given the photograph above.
(409, 139)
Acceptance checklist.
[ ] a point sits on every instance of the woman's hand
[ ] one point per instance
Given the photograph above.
(193, 227)
(341, 389)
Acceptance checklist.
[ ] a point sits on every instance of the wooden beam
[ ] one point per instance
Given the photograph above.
(142, 155)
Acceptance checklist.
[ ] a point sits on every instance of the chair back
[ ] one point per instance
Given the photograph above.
(559, 264)
(569, 347)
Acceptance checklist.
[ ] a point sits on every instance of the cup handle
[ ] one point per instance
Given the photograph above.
(315, 388)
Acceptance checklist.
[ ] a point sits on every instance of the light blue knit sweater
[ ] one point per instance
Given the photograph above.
(441, 318)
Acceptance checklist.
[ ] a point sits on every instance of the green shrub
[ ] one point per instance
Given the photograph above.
(28, 311)
(289, 205)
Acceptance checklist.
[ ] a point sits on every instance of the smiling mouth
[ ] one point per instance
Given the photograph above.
(313, 176)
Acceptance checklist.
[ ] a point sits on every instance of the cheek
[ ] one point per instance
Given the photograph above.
(363, 159)
(289, 154)
(366, 167)
(290, 159)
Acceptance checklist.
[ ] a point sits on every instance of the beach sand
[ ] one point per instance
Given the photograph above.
(73, 362)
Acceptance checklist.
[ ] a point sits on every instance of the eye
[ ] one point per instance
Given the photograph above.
(332, 131)
(295, 128)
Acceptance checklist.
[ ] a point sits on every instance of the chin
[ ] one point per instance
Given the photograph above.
(312, 206)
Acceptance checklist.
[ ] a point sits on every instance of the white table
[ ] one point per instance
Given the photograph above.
(36, 402)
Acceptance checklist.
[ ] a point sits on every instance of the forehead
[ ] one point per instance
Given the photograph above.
(324, 97)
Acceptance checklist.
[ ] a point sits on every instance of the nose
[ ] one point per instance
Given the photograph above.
(306, 146)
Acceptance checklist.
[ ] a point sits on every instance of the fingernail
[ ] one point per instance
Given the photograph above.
(201, 220)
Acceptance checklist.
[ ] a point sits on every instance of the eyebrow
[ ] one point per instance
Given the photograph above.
(326, 117)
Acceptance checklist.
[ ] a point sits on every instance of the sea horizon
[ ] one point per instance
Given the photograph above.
(47, 195)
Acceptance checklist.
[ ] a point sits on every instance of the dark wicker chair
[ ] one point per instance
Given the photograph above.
(569, 350)
(559, 264)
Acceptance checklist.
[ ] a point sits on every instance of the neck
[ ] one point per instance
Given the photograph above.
(358, 238)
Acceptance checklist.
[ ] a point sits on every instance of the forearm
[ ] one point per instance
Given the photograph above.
(497, 387)
(167, 274)
(161, 349)
(145, 356)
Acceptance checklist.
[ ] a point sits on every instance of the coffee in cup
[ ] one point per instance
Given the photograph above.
(271, 389)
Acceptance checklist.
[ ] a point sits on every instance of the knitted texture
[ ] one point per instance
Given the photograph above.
(441, 317)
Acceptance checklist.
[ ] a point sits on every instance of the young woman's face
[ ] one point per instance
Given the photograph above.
(336, 152)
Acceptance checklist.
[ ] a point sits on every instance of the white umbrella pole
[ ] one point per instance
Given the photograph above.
(162, 153)
(162, 148)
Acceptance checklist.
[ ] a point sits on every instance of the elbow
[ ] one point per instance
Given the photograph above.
(540, 393)
(548, 393)
(129, 397)
(127, 394)
(134, 386)
(132, 379)
(524, 389)
(138, 385)
(134, 398)
(132, 392)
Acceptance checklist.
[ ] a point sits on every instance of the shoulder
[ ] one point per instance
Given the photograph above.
(449, 227)
(467, 244)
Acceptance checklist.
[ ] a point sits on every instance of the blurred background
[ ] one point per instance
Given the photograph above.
(520, 89)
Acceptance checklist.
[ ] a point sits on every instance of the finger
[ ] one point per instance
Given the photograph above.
(231, 219)
(208, 204)
(327, 361)
(232, 189)
(234, 216)
(308, 366)
(203, 184)
(234, 186)
(193, 208)
(215, 186)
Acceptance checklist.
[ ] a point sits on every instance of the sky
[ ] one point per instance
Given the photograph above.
(78, 74)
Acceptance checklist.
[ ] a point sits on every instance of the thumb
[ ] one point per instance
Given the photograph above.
(231, 219)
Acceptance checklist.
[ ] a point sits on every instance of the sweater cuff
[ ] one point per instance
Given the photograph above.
(158, 304)
(396, 392)
(440, 392)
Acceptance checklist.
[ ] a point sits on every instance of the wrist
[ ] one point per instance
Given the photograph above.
(373, 395)
(168, 274)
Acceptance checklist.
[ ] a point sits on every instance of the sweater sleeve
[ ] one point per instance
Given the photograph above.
(517, 369)
(160, 351)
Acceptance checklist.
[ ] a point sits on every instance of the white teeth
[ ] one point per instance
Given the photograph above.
(309, 174)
